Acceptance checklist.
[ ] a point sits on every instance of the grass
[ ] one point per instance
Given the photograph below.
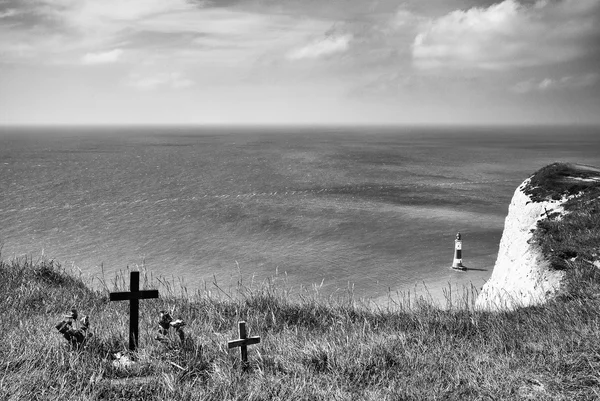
(556, 181)
(312, 348)
(574, 234)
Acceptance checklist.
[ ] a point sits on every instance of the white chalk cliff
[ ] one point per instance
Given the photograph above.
(521, 275)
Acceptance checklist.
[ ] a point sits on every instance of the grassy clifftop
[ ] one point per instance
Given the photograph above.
(573, 235)
(563, 179)
(311, 347)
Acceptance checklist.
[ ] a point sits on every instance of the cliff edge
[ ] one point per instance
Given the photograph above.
(550, 224)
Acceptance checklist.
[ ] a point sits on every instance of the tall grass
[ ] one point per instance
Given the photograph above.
(312, 347)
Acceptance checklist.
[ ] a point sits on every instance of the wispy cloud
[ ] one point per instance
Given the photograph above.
(173, 80)
(108, 57)
(91, 13)
(321, 48)
(509, 34)
(550, 84)
(194, 31)
(11, 12)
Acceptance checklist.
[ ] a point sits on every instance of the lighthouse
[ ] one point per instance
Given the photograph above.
(457, 262)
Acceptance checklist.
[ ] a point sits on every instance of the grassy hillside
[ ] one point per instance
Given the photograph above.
(311, 347)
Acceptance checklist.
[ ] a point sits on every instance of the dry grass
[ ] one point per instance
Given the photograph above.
(311, 347)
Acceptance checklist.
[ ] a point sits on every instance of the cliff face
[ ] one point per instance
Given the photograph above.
(552, 230)
(521, 275)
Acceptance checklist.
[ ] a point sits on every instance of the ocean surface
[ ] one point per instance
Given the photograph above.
(368, 208)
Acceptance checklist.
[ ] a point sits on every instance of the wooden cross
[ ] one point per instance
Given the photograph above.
(243, 343)
(133, 296)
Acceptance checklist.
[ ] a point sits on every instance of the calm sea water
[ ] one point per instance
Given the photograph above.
(372, 208)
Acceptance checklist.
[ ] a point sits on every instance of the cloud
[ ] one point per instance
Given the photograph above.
(59, 31)
(509, 35)
(8, 13)
(180, 32)
(405, 17)
(321, 48)
(549, 84)
(108, 57)
(92, 13)
(172, 80)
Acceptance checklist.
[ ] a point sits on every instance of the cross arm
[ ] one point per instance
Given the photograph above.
(243, 341)
(126, 296)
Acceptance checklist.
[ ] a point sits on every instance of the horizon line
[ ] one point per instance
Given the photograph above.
(296, 125)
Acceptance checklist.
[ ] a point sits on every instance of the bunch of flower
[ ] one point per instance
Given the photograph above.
(165, 323)
(76, 336)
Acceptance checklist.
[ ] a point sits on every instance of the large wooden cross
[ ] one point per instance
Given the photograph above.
(133, 296)
(243, 343)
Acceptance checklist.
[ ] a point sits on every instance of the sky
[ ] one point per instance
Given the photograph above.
(406, 62)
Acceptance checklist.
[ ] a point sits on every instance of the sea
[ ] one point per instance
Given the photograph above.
(367, 211)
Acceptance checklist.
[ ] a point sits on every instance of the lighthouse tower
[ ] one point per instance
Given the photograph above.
(457, 262)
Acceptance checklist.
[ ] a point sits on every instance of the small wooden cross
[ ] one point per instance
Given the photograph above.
(134, 305)
(547, 213)
(243, 343)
